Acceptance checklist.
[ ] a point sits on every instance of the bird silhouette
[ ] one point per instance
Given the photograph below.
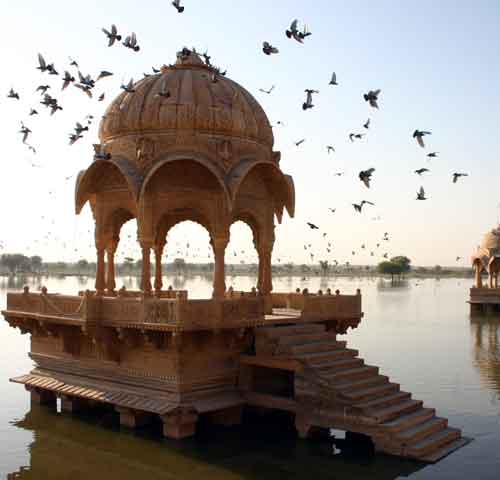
(419, 135)
(308, 103)
(329, 149)
(359, 207)
(421, 194)
(67, 79)
(112, 36)
(268, 49)
(13, 94)
(267, 91)
(366, 175)
(372, 98)
(300, 142)
(312, 226)
(421, 170)
(456, 176)
(178, 6)
(131, 42)
(333, 80)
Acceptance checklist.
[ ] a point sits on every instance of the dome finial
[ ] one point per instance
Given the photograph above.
(189, 57)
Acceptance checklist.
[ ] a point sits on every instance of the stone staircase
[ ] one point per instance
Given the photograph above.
(337, 389)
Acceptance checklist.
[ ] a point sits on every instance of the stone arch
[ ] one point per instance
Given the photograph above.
(113, 173)
(201, 160)
(279, 185)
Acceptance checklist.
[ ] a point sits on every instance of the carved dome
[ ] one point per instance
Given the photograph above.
(196, 104)
(491, 240)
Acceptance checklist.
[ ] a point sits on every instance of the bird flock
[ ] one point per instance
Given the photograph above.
(87, 83)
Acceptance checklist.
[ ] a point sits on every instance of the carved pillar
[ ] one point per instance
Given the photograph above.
(146, 268)
(219, 246)
(479, 280)
(110, 280)
(490, 278)
(158, 249)
(495, 282)
(100, 279)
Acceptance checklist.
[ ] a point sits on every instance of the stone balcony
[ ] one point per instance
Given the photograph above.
(173, 311)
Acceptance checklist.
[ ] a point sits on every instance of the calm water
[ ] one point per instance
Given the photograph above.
(420, 334)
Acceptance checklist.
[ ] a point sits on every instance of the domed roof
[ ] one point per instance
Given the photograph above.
(492, 239)
(194, 97)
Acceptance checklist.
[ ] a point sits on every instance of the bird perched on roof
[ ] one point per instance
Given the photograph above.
(421, 194)
(312, 226)
(308, 103)
(112, 36)
(268, 49)
(100, 152)
(164, 93)
(13, 94)
(421, 170)
(333, 80)
(178, 6)
(366, 175)
(25, 132)
(456, 176)
(358, 207)
(329, 149)
(129, 88)
(372, 97)
(419, 135)
(67, 79)
(357, 136)
(131, 42)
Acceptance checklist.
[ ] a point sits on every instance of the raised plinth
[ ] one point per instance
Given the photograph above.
(164, 355)
(484, 300)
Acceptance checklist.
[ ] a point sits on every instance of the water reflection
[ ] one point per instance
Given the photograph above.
(486, 332)
(65, 448)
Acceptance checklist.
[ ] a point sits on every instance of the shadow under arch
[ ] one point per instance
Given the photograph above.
(184, 157)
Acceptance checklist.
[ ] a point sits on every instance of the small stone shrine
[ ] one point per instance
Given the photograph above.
(191, 144)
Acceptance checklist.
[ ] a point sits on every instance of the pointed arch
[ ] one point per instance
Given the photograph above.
(99, 173)
(280, 185)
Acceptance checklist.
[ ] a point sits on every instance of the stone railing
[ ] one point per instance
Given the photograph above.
(324, 306)
(130, 311)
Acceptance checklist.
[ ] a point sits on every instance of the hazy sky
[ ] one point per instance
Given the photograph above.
(437, 65)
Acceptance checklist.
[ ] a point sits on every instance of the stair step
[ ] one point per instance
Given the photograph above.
(333, 354)
(326, 345)
(445, 450)
(301, 328)
(353, 373)
(352, 386)
(418, 432)
(386, 401)
(328, 367)
(310, 338)
(394, 411)
(433, 442)
(409, 420)
(371, 392)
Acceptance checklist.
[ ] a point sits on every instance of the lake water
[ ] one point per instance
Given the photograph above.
(419, 333)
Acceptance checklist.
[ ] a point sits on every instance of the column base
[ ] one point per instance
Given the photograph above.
(133, 418)
(73, 404)
(43, 397)
(179, 424)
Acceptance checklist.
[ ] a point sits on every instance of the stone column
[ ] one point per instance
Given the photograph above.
(110, 280)
(146, 268)
(490, 278)
(479, 280)
(219, 246)
(158, 249)
(180, 423)
(265, 283)
(495, 282)
(100, 279)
